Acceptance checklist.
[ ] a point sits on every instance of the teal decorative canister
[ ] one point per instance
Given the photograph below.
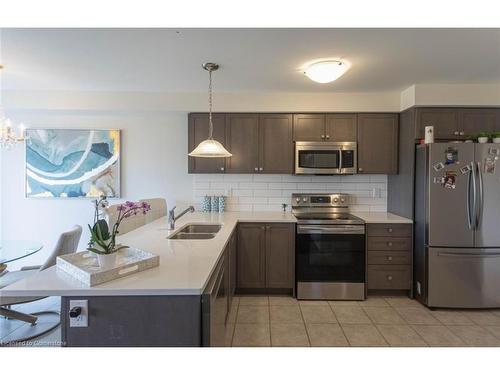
(222, 203)
(206, 204)
(215, 203)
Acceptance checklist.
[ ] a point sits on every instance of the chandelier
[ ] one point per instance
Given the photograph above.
(8, 136)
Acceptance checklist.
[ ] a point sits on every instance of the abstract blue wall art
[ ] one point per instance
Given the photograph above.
(71, 163)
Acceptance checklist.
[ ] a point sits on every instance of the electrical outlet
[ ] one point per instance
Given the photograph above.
(78, 313)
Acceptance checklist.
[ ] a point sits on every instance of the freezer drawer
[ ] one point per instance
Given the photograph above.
(464, 278)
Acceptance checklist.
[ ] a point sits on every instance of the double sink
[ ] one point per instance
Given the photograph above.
(196, 232)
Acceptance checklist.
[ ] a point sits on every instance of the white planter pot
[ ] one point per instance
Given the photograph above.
(496, 140)
(106, 261)
(482, 139)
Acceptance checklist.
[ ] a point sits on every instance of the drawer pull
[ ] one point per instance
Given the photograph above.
(389, 258)
(389, 244)
(389, 230)
(389, 277)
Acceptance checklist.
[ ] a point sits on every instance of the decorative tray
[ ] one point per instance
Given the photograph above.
(85, 267)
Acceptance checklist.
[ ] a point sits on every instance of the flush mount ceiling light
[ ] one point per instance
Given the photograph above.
(210, 148)
(326, 71)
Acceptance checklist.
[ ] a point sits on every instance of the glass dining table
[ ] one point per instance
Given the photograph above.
(11, 250)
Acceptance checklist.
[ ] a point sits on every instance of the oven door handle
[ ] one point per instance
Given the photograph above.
(331, 229)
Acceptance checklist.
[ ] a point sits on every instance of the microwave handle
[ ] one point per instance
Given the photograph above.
(340, 160)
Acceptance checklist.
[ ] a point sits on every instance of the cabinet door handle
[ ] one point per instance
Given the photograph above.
(322, 136)
(263, 228)
(462, 133)
(389, 230)
(221, 168)
(389, 244)
(360, 169)
(327, 136)
(389, 277)
(261, 169)
(389, 258)
(256, 168)
(455, 132)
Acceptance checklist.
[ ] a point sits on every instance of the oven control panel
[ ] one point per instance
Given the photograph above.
(320, 200)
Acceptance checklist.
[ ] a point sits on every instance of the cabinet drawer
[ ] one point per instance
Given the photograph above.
(393, 230)
(389, 243)
(389, 277)
(389, 257)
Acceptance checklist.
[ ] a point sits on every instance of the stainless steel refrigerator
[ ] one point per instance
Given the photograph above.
(457, 225)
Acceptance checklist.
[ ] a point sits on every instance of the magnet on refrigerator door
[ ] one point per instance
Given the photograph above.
(451, 156)
(450, 180)
(465, 169)
(489, 165)
(438, 166)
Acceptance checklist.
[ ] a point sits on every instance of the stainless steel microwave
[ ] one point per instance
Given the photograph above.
(325, 158)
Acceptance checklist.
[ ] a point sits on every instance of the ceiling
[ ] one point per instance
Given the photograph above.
(251, 59)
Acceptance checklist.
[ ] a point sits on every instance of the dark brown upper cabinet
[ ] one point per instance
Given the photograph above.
(197, 132)
(309, 127)
(472, 121)
(341, 127)
(444, 120)
(378, 143)
(275, 145)
(242, 140)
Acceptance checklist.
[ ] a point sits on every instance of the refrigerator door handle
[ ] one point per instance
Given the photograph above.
(479, 208)
(468, 201)
(474, 195)
(468, 255)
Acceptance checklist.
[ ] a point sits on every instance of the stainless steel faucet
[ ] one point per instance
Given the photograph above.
(172, 218)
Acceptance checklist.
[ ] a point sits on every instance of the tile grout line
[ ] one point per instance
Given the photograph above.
(235, 322)
(340, 325)
(269, 314)
(304, 322)
(376, 328)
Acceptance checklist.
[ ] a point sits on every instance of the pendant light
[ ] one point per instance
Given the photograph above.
(210, 148)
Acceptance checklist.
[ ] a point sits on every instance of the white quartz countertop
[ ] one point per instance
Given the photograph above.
(382, 218)
(185, 265)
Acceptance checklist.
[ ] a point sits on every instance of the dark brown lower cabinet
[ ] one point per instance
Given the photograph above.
(280, 256)
(389, 256)
(265, 256)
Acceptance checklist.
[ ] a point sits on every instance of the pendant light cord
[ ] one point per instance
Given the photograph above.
(210, 125)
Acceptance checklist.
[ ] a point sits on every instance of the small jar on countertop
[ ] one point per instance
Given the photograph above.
(222, 204)
(206, 204)
(215, 203)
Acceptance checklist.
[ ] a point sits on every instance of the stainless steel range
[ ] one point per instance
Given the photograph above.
(330, 248)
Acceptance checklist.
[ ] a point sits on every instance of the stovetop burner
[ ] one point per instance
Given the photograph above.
(323, 209)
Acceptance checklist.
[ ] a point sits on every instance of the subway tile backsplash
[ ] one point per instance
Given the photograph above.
(264, 192)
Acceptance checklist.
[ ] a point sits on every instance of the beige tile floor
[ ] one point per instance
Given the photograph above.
(378, 321)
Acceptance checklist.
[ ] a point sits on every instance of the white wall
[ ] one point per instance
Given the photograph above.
(451, 95)
(154, 164)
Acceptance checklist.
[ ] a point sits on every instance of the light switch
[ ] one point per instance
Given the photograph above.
(78, 313)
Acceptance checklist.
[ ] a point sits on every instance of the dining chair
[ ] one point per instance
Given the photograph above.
(158, 209)
(66, 244)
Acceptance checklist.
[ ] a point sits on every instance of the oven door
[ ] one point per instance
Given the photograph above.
(317, 158)
(330, 253)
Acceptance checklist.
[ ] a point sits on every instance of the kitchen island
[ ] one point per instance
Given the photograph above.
(159, 306)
